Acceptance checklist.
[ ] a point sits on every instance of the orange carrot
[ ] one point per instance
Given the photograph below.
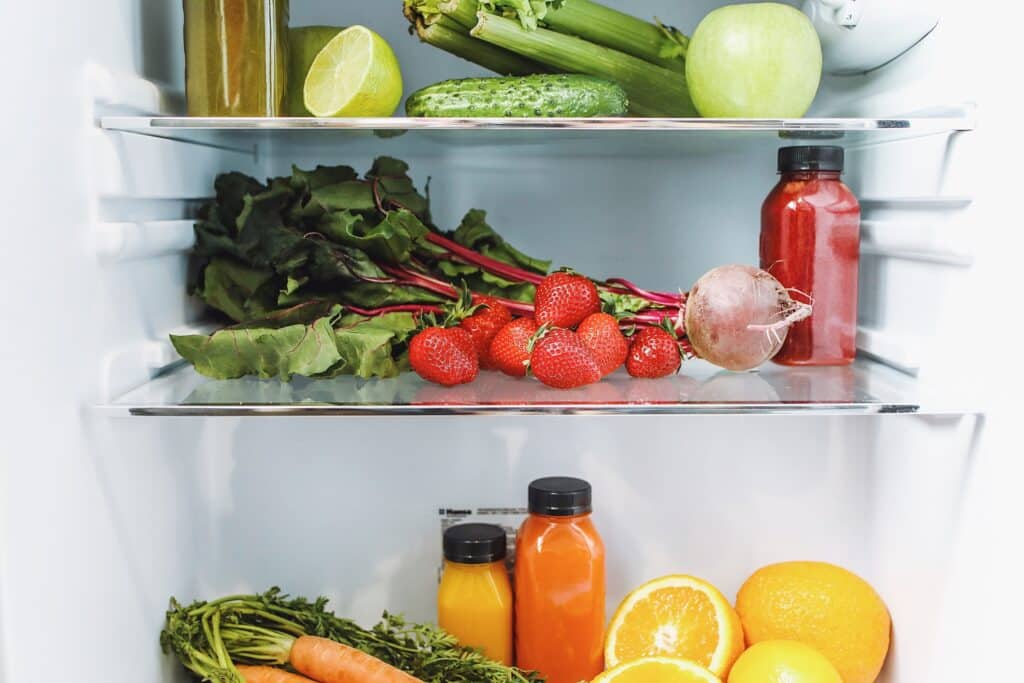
(329, 662)
(268, 674)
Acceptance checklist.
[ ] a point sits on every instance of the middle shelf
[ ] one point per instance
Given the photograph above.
(865, 388)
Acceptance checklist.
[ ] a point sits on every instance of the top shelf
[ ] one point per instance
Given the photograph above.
(792, 127)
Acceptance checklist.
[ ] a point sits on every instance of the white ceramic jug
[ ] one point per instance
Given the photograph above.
(861, 35)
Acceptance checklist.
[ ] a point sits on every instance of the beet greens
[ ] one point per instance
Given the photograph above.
(325, 273)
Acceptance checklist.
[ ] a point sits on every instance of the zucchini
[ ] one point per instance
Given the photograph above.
(539, 95)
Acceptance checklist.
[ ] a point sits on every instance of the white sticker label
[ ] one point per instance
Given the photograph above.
(508, 518)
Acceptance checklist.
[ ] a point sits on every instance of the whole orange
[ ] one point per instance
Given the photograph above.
(819, 604)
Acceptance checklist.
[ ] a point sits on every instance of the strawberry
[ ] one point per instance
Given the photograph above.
(654, 353)
(484, 324)
(444, 355)
(600, 333)
(565, 299)
(560, 360)
(510, 348)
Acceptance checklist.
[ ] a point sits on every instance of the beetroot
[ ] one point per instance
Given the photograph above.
(737, 316)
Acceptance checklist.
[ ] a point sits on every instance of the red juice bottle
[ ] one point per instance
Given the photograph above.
(810, 241)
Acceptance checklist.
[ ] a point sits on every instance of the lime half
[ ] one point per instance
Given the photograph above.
(304, 44)
(356, 74)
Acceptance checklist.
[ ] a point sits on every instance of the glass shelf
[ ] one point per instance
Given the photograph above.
(652, 134)
(796, 127)
(866, 387)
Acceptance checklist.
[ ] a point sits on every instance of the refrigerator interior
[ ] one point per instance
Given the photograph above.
(107, 515)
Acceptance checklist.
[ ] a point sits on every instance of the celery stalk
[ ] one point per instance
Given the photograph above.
(619, 31)
(425, 11)
(462, 11)
(444, 32)
(652, 90)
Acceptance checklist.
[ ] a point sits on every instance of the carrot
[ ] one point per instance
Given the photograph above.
(326, 661)
(268, 674)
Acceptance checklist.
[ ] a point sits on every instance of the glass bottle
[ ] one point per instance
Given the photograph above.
(235, 57)
(560, 584)
(474, 601)
(810, 241)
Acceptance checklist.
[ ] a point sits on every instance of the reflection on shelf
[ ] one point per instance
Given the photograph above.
(865, 387)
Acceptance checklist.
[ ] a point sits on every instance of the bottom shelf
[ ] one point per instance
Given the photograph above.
(866, 387)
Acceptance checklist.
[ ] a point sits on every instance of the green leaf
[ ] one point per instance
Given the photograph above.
(300, 341)
(429, 10)
(622, 305)
(352, 195)
(321, 176)
(392, 240)
(379, 295)
(388, 167)
(396, 189)
(475, 233)
(368, 295)
(483, 282)
(528, 12)
(368, 346)
(232, 189)
(242, 293)
(496, 286)
(263, 239)
(677, 44)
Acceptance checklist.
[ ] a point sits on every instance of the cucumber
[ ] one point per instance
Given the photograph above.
(540, 95)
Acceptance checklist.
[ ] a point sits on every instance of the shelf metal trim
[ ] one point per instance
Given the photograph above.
(709, 409)
(140, 124)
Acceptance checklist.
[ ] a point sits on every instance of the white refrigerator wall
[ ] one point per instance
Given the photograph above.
(102, 520)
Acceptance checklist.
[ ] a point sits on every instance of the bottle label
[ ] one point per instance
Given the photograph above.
(508, 518)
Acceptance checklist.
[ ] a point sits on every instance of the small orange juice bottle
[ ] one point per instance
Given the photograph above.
(474, 602)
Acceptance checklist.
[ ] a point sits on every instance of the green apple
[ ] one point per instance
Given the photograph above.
(759, 60)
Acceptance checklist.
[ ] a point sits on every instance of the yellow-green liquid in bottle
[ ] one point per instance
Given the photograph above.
(235, 57)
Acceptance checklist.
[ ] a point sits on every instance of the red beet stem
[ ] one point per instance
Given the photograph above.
(477, 259)
(414, 279)
(416, 309)
(655, 297)
(515, 274)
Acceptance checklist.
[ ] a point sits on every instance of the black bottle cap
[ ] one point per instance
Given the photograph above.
(560, 497)
(811, 159)
(474, 543)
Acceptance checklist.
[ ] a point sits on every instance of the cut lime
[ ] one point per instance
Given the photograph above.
(356, 74)
(304, 44)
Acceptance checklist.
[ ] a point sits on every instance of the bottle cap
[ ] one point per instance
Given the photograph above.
(560, 497)
(811, 159)
(474, 543)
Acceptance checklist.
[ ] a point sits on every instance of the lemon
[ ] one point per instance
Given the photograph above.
(821, 605)
(783, 661)
(657, 670)
(355, 74)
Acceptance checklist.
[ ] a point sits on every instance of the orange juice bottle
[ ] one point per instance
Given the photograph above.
(474, 602)
(560, 584)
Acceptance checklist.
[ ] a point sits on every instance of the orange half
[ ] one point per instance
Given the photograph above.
(657, 670)
(678, 617)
